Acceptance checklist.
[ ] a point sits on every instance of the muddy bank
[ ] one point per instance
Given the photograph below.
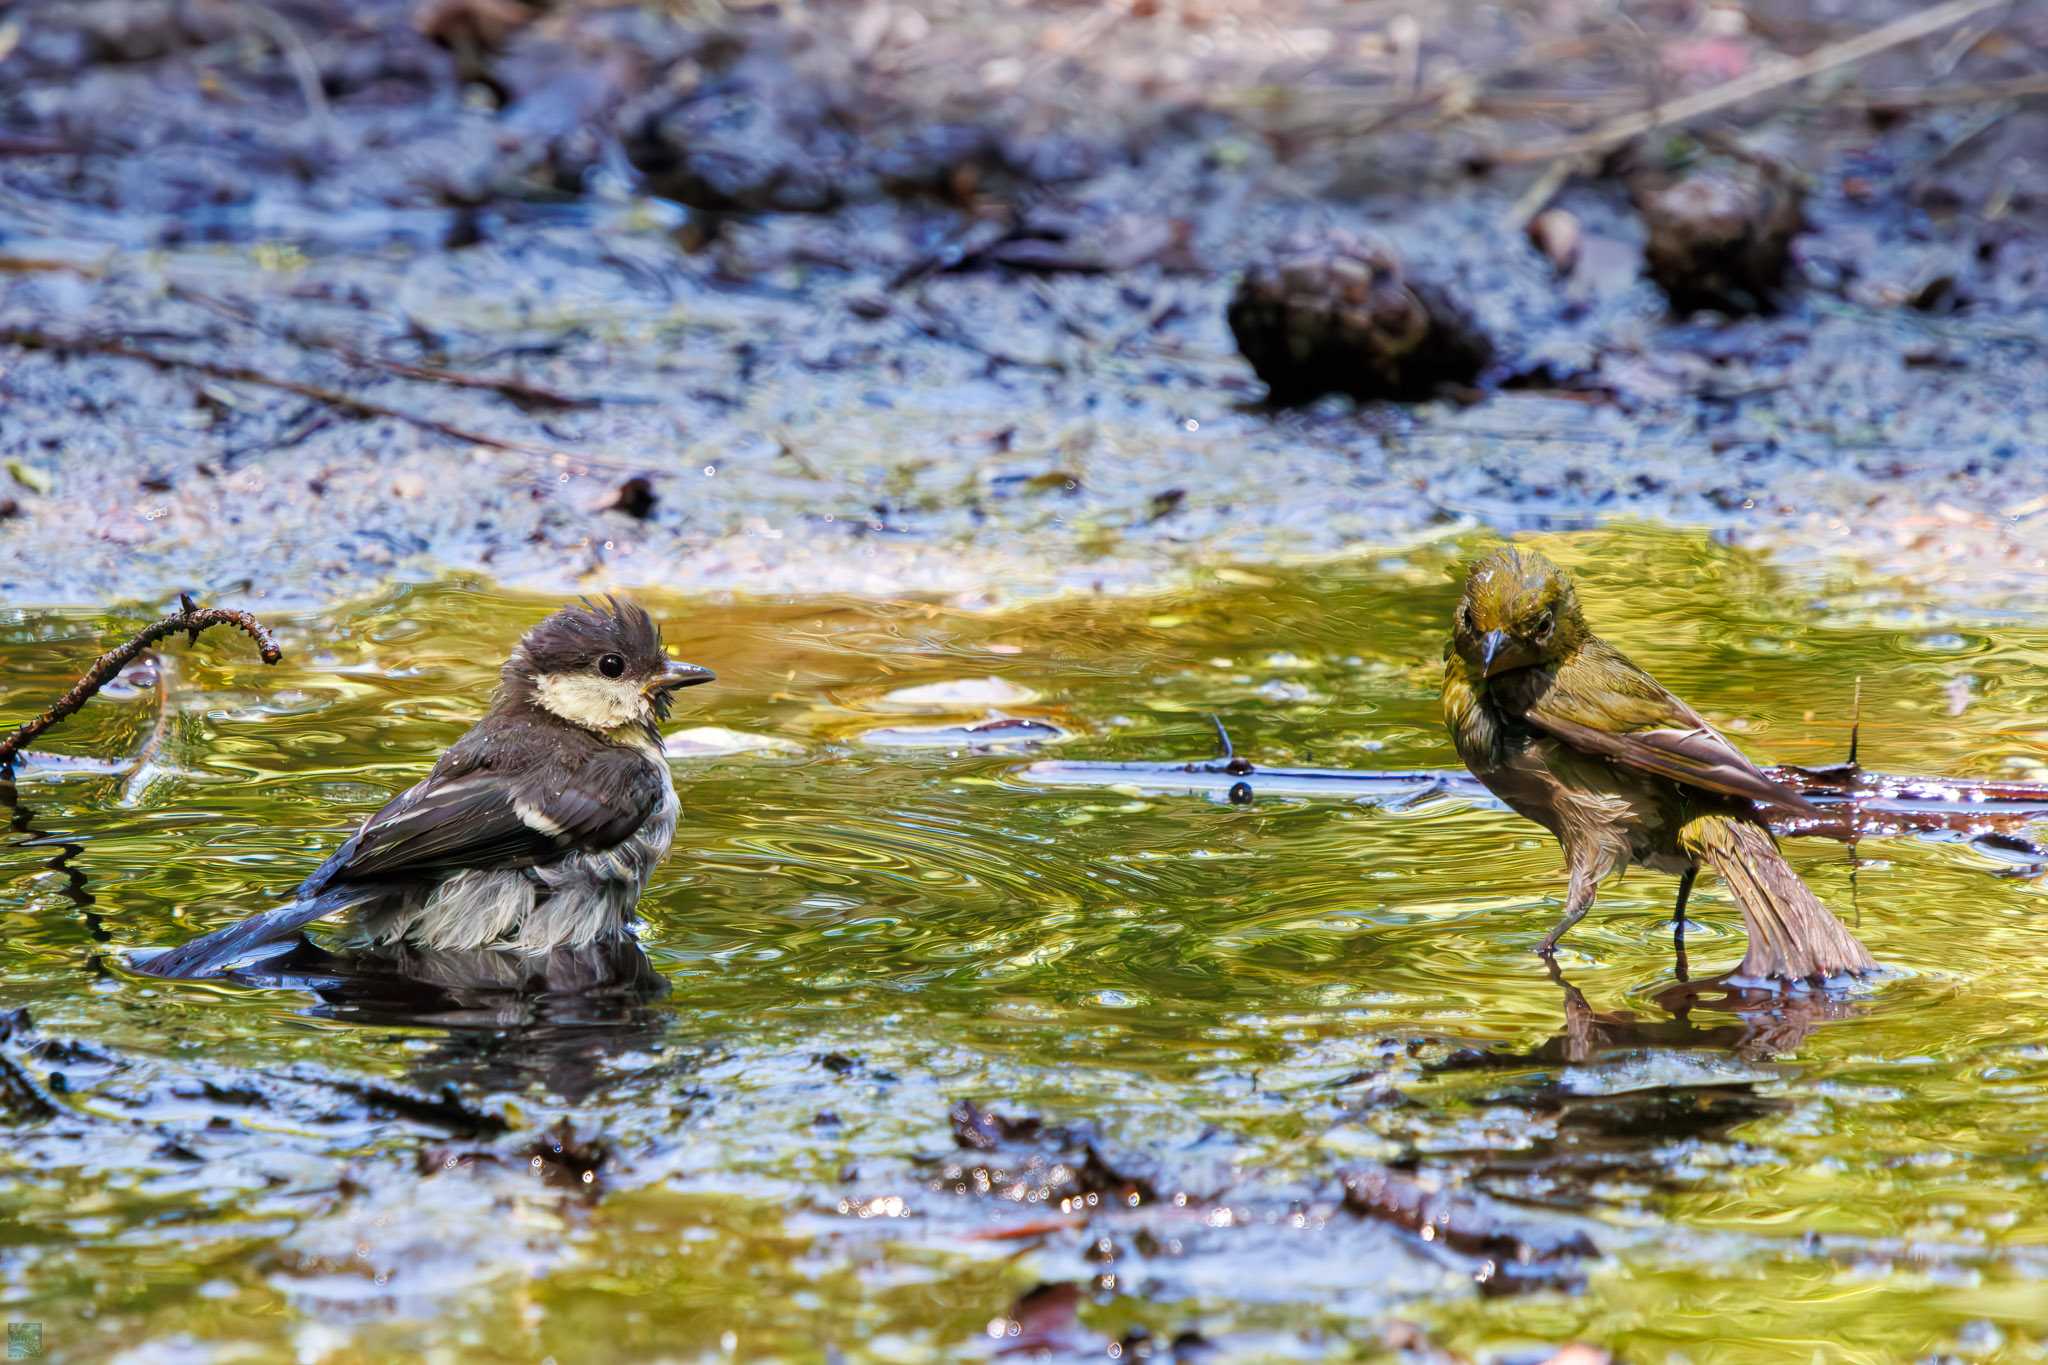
(934, 317)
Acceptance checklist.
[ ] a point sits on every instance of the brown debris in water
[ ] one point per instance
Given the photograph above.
(979, 1130)
(1045, 1317)
(1513, 1255)
(1064, 1170)
(1339, 315)
(565, 1161)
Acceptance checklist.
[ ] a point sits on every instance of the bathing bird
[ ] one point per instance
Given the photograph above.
(1561, 726)
(537, 830)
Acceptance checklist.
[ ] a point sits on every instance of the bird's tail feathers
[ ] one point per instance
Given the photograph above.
(1792, 936)
(210, 954)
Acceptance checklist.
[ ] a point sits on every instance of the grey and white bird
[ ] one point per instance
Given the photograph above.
(537, 830)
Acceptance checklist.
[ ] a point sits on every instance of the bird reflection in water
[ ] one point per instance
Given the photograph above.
(1765, 1023)
(511, 1019)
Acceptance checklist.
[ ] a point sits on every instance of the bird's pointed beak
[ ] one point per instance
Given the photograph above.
(675, 674)
(1489, 649)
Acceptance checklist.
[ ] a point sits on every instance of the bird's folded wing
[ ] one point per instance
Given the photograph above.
(483, 818)
(1606, 705)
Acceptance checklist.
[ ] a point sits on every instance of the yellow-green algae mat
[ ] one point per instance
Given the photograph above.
(1215, 1012)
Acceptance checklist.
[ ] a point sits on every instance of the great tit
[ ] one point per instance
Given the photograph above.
(537, 830)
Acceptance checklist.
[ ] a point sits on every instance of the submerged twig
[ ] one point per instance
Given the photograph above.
(36, 339)
(188, 618)
(518, 390)
(1855, 723)
(1761, 81)
(1853, 802)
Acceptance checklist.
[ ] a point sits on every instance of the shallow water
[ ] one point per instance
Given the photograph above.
(1231, 1005)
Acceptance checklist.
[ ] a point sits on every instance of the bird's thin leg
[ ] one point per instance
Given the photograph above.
(1678, 915)
(1684, 890)
(1579, 899)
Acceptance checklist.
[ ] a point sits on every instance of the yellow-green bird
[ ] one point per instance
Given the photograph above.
(1561, 726)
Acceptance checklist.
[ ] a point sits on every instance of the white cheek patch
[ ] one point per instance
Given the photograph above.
(595, 703)
(535, 819)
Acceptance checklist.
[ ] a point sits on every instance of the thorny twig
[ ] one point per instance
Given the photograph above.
(188, 618)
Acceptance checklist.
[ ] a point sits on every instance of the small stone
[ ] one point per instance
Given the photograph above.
(35, 480)
(1555, 233)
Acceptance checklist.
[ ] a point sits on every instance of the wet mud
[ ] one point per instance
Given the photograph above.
(594, 295)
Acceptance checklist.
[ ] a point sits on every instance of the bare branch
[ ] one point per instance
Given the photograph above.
(1761, 81)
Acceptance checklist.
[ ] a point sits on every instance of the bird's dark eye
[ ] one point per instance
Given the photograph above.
(611, 665)
(1544, 623)
(1465, 615)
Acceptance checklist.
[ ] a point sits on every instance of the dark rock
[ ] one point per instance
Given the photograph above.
(1338, 315)
(868, 307)
(117, 31)
(765, 118)
(741, 128)
(1938, 295)
(635, 497)
(1721, 238)
(944, 160)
